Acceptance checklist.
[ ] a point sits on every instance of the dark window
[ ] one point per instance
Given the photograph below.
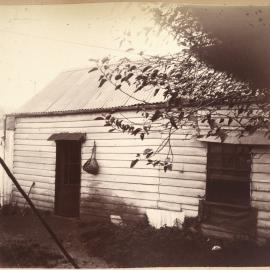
(228, 173)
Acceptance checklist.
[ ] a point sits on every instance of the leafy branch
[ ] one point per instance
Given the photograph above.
(190, 92)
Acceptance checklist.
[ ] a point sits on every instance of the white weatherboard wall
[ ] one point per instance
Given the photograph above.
(117, 188)
(261, 188)
(7, 151)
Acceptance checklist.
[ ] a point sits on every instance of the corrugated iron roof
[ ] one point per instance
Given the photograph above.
(78, 91)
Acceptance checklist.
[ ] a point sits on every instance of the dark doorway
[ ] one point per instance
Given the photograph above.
(68, 178)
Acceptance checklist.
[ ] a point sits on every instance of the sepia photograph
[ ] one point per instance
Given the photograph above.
(134, 134)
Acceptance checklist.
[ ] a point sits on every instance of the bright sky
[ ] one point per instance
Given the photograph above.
(38, 42)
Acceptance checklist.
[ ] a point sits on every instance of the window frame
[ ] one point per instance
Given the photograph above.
(222, 182)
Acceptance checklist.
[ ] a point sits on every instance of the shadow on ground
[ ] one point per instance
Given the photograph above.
(25, 243)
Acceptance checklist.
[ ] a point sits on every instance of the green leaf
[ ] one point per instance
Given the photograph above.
(146, 68)
(146, 130)
(132, 68)
(147, 150)
(99, 118)
(102, 82)
(136, 131)
(133, 163)
(156, 91)
(118, 77)
(230, 121)
(149, 161)
(154, 73)
(156, 163)
(172, 121)
(169, 167)
(92, 69)
(142, 136)
(118, 86)
(156, 115)
(111, 130)
(105, 59)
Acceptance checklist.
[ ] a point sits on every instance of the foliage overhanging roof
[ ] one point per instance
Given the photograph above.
(77, 91)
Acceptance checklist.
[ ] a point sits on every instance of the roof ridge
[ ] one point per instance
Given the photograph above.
(76, 69)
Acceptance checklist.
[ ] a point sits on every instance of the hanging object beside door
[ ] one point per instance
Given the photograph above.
(91, 165)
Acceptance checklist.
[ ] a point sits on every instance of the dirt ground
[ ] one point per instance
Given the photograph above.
(25, 243)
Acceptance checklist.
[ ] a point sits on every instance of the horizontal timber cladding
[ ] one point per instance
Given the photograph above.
(260, 188)
(117, 187)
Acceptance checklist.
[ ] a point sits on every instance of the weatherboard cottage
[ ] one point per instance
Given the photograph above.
(49, 139)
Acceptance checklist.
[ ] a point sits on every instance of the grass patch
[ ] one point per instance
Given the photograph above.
(141, 245)
(18, 253)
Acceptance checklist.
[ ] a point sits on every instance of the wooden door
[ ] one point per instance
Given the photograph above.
(68, 178)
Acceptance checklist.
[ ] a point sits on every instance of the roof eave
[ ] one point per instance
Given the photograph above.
(86, 111)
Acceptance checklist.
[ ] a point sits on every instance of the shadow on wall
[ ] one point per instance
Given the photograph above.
(102, 204)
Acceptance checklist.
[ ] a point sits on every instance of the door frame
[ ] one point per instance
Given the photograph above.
(58, 184)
